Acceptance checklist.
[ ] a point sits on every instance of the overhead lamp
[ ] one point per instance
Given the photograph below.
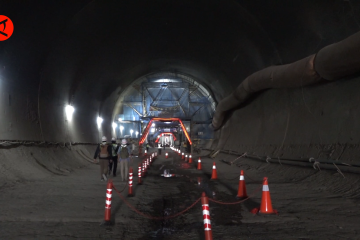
(120, 119)
(99, 120)
(137, 133)
(131, 132)
(69, 110)
(153, 125)
(152, 130)
(114, 125)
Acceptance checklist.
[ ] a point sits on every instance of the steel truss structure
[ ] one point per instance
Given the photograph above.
(147, 129)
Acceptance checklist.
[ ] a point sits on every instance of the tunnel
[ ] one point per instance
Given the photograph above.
(262, 93)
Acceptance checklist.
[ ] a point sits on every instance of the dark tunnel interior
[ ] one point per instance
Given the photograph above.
(86, 53)
(109, 58)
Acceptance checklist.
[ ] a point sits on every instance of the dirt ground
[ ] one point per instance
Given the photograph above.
(312, 204)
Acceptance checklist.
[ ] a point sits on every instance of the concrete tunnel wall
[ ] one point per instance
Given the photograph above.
(87, 52)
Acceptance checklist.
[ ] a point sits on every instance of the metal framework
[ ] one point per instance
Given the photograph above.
(165, 133)
(147, 129)
(170, 95)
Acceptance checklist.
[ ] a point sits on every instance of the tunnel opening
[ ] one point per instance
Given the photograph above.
(165, 95)
(166, 138)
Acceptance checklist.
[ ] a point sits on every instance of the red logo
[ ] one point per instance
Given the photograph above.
(6, 28)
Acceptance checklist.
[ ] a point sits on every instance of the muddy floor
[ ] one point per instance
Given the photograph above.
(312, 204)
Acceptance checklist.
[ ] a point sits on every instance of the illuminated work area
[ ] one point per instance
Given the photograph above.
(218, 119)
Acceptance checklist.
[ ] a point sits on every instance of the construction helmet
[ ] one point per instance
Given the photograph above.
(123, 141)
(104, 139)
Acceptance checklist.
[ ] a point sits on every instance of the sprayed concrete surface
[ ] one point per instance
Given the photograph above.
(312, 204)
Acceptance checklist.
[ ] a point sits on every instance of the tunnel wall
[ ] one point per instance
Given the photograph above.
(318, 121)
(45, 68)
(25, 164)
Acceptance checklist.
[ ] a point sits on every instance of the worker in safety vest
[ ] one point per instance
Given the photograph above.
(103, 152)
(113, 160)
(124, 154)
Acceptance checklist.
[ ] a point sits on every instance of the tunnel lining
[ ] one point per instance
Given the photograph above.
(196, 85)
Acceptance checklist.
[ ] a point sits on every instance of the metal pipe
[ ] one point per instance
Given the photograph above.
(352, 169)
(325, 164)
(331, 63)
(340, 59)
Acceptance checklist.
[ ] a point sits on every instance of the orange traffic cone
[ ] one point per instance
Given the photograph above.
(214, 173)
(266, 206)
(242, 188)
(206, 216)
(109, 188)
(143, 169)
(139, 174)
(130, 193)
(199, 164)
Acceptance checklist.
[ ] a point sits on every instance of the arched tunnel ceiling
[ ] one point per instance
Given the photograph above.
(306, 140)
(86, 52)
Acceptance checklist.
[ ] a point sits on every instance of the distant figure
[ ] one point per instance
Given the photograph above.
(133, 147)
(103, 152)
(147, 147)
(113, 160)
(124, 153)
(159, 149)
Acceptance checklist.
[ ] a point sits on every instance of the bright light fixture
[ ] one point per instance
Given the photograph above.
(121, 128)
(153, 125)
(152, 130)
(114, 125)
(131, 132)
(120, 119)
(69, 110)
(99, 121)
(137, 133)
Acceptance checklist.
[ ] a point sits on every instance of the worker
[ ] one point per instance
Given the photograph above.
(124, 154)
(103, 152)
(113, 161)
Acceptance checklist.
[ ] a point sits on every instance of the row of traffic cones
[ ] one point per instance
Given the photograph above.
(141, 173)
(142, 169)
(265, 206)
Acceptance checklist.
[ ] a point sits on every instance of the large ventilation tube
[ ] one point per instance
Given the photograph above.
(332, 62)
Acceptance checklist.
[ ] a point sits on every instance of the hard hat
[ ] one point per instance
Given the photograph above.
(104, 139)
(123, 141)
(113, 139)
